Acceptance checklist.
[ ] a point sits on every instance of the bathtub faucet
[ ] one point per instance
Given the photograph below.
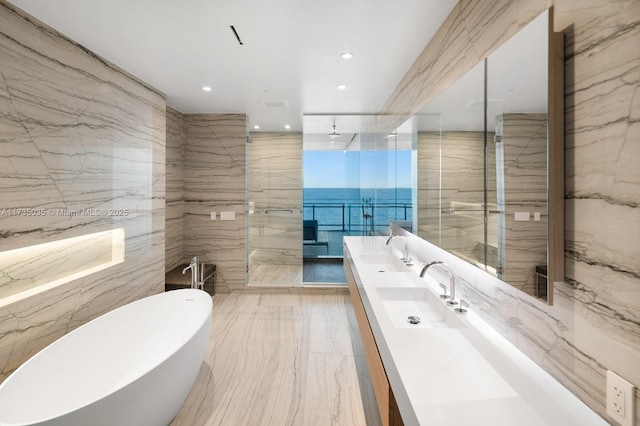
(193, 266)
(195, 272)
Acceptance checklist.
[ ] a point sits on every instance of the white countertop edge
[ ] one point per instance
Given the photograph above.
(556, 405)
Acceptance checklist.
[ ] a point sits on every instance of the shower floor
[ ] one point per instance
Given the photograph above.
(275, 275)
(314, 271)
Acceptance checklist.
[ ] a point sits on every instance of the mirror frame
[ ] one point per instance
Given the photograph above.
(555, 160)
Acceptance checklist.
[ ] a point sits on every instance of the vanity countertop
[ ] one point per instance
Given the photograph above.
(451, 369)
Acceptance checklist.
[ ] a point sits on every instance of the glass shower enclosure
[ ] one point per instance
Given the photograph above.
(274, 194)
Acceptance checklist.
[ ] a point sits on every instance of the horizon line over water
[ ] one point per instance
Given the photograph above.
(384, 203)
(354, 187)
(356, 194)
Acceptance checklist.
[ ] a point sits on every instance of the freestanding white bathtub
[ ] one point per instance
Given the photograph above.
(132, 366)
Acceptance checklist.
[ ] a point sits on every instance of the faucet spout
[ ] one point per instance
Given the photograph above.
(405, 251)
(452, 279)
(195, 271)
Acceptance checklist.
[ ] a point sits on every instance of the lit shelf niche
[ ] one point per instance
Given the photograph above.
(27, 271)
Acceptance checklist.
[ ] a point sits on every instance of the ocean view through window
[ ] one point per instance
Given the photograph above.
(354, 193)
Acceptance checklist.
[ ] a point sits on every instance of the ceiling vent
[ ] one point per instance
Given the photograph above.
(235, 33)
(276, 104)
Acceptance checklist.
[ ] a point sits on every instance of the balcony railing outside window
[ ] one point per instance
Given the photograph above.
(356, 217)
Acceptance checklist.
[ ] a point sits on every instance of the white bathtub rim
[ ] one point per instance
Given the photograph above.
(152, 367)
(109, 397)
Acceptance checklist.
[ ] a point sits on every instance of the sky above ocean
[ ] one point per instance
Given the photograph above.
(357, 169)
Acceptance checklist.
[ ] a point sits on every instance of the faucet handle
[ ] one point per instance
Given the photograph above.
(444, 289)
(463, 307)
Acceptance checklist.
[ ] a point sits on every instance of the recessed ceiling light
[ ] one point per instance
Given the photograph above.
(256, 127)
(206, 88)
(341, 86)
(347, 55)
(287, 126)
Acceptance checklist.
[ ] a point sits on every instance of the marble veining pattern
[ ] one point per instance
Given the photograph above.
(19, 274)
(78, 134)
(275, 204)
(594, 324)
(282, 360)
(214, 181)
(522, 187)
(451, 202)
(174, 224)
(428, 185)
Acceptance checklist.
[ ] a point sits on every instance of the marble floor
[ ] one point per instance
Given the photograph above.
(282, 360)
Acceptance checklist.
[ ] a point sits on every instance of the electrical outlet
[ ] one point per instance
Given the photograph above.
(620, 399)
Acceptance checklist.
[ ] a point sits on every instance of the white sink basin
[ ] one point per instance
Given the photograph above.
(383, 262)
(400, 303)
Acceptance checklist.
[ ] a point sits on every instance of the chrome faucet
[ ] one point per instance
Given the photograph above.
(405, 251)
(195, 272)
(452, 279)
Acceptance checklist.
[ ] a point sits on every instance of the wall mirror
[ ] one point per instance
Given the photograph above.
(490, 183)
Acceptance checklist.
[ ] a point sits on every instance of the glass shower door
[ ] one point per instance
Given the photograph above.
(275, 210)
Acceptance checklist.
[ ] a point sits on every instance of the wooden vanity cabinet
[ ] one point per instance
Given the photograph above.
(387, 406)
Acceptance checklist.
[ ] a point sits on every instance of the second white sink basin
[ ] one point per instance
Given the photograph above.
(401, 303)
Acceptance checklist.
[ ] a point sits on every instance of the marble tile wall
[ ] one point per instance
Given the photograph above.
(594, 324)
(214, 176)
(428, 183)
(174, 223)
(83, 137)
(462, 193)
(522, 187)
(275, 199)
(445, 190)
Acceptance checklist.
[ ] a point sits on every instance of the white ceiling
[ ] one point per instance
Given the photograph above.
(352, 133)
(291, 50)
(517, 81)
